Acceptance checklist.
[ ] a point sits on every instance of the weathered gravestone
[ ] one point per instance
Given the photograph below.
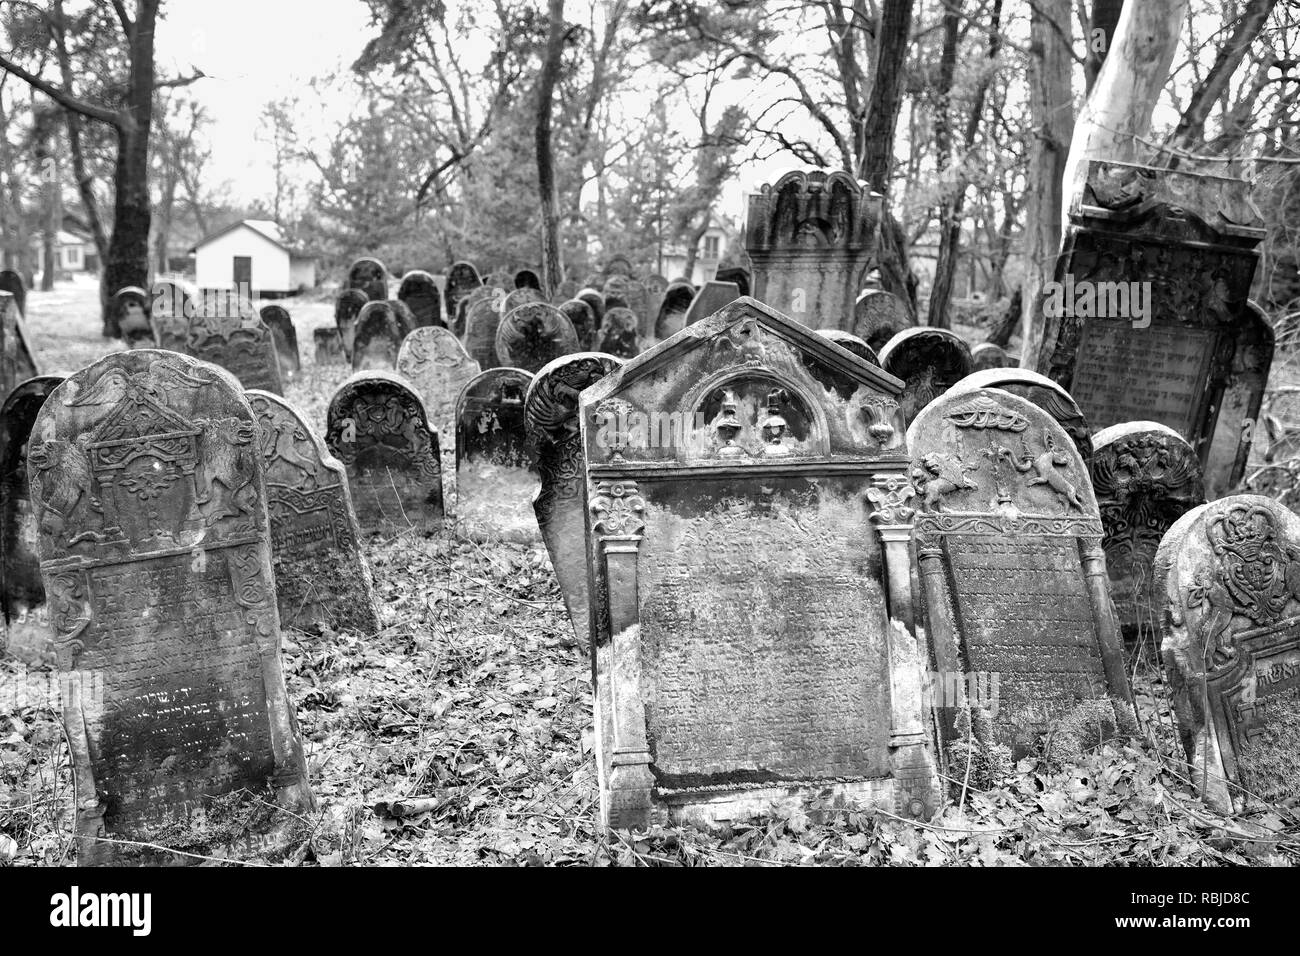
(618, 334)
(321, 575)
(525, 296)
(16, 362)
(811, 237)
(148, 497)
(671, 317)
(496, 465)
(597, 302)
(533, 334)
(878, 316)
(1231, 576)
(433, 361)
(368, 276)
(135, 323)
(28, 631)
(378, 337)
(929, 360)
(847, 340)
(618, 265)
(710, 299)
(419, 291)
(285, 336)
(988, 355)
(1148, 318)
(583, 321)
(738, 275)
(1009, 546)
(462, 279)
(346, 309)
(12, 282)
(527, 279)
(655, 288)
(402, 315)
(242, 346)
(619, 292)
(553, 429)
(378, 427)
(169, 314)
(482, 320)
(329, 346)
(1041, 391)
(1146, 477)
(747, 540)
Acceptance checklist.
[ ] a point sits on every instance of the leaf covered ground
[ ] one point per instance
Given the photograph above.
(460, 733)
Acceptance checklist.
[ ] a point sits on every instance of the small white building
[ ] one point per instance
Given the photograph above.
(72, 253)
(713, 246)
(251, 254)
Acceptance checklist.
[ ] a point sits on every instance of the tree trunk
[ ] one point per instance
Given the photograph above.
(53, 223)
(552, 264)
(1101, 34)
(949, 206)
(1051, 110)
(1000, 334)
(693, 245)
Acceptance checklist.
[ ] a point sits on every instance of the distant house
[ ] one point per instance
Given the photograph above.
(73, 250)
(712, 248)
(252, 254)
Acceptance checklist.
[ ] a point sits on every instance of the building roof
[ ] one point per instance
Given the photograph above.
(267, 228)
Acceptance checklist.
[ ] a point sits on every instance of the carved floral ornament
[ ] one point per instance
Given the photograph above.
(618, 509)
(891, 495)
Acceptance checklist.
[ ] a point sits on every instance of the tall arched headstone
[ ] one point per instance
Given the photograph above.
(321, 575)
(433, 361)
(155, 552)
(1043, 392)
(496, 465)
(285, 336)
(377, 426)
(618, 334)
(878, 316)
(929, 360)
(533, 334)
(346, 309)
(462, 279)
(369, 276)
(420, 292)
(377, 339)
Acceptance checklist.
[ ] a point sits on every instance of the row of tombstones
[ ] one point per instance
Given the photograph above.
(736, 521)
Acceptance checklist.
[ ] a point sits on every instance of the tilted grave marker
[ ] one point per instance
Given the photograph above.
(285, 336)
(1008, 541)
(329, 346)
(676, 304)
(496, 464)
(378, 337)
(1148, 317)
(462, 279)
(321, 575)
(710, 299)
(747, 534)
(878, 316)
(583, 321)
(847, 340)
(481, 323)
(155, 552)
(420, 292)
(377, 426)
(533, 334)
(346, 309)
(929, 360)
(242, 345)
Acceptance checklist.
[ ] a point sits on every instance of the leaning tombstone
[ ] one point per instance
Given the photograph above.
(433, 361)
(462, 279)
(583, 321)
(929, 360)
(551, 422)
(735, 274)
(285, 337)
(346, 309)
(368, 276)
(655, 287)
(1008, 541)
(710, 299)
(28, 632)
(402, 315)
(533, 334)
(131, 307)
(671, 317)
(496, 466)
(1146, 477)
(419, 291)
(377, 339)
(242, 346)
(618, 334)
(148, 497)
(878, 316)
(321, 575)
(16, 362)
(811, 237)
(329, 346)
(1231, 646)
(12, 282)
(988, 355)
(1041, 391)
(482, 319)
(597, 302)
(847, 340)
(1148, 318)
(747, 535)
(377, 426)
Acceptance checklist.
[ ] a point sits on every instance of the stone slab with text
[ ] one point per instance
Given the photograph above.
(239, 343)
(747, 534)
(150, 507)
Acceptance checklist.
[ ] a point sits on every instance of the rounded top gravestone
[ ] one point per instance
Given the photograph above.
(534, 334)
(527, 279)
(618, 334)
(419, 291)
(878, 316)
(462, 279)
(1043, 392)
(239, 342)
(378, 337)
(496, 464)
(583, 320)
(594, 299)
(847, 340)
(481, 321)
(671, 318)
(929, 360)
(346, 309)
(434, 361)
(987, 355)
(370, 277)
(518, 297)
(131, 307)
(277, 319)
